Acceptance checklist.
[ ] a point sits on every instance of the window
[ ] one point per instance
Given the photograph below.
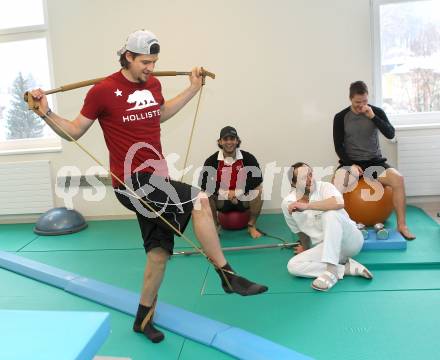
(407, 60)
(25, 65)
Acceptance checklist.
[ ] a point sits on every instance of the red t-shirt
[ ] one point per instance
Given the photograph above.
(129, 115)
(228, 175)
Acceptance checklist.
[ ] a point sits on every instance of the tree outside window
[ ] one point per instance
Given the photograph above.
(410, 56)
(25, 65)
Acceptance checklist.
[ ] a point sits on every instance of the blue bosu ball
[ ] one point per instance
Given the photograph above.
(59, 221)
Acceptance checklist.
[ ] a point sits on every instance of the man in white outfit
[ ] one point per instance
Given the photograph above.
(314, 210)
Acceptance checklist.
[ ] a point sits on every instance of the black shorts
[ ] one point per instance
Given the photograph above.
(225, 206)
(372, 168)
(173, 200)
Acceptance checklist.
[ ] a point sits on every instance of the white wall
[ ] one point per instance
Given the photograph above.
(283, 70)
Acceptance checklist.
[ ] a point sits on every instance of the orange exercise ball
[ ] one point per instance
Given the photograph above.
(369, 203)
(233, 220)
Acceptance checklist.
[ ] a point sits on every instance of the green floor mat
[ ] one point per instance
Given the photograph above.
(194, 351)
(416, 218)
(395, 316)
(269, 268)
(122, 234)
(426, 248)
(13, 237)
(182, 284)
(372, 325)
(272, 224)
(99, 235)
(123, 342)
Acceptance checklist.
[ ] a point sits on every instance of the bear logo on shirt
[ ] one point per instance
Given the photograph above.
(142, 99)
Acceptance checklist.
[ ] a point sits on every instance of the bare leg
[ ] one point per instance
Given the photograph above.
(213, 205)
(394, 179)
(346, 179)
(206, 231)
(154, 272)
(255, 206)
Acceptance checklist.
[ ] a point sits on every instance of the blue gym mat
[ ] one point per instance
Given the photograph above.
(395, 241)
(52, 335)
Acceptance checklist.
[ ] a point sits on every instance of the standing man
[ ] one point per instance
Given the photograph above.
(130, 107)
(314, 210)
(234, 178)
(356, 140)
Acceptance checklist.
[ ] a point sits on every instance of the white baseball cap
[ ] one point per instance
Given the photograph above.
(141, 42)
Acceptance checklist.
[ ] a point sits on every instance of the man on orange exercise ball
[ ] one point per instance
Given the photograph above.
(356, 140)
(233, 179)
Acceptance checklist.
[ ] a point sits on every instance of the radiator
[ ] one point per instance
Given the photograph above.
(25, 188)
(418, 159)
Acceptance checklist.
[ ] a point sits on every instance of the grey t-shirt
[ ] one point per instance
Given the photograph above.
(361, 139)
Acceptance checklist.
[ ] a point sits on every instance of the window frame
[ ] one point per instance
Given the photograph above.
(410, 120)
(22, 33)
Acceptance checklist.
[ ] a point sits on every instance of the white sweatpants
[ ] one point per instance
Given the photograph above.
(342, 239)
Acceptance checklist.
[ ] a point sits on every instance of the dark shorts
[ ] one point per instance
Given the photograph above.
(372, 168)
(173, 200)
(225, 206)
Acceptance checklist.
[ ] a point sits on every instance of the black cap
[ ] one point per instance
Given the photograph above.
(228, 131)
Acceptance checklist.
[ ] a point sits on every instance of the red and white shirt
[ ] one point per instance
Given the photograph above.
(129, 115)
(229, 176)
